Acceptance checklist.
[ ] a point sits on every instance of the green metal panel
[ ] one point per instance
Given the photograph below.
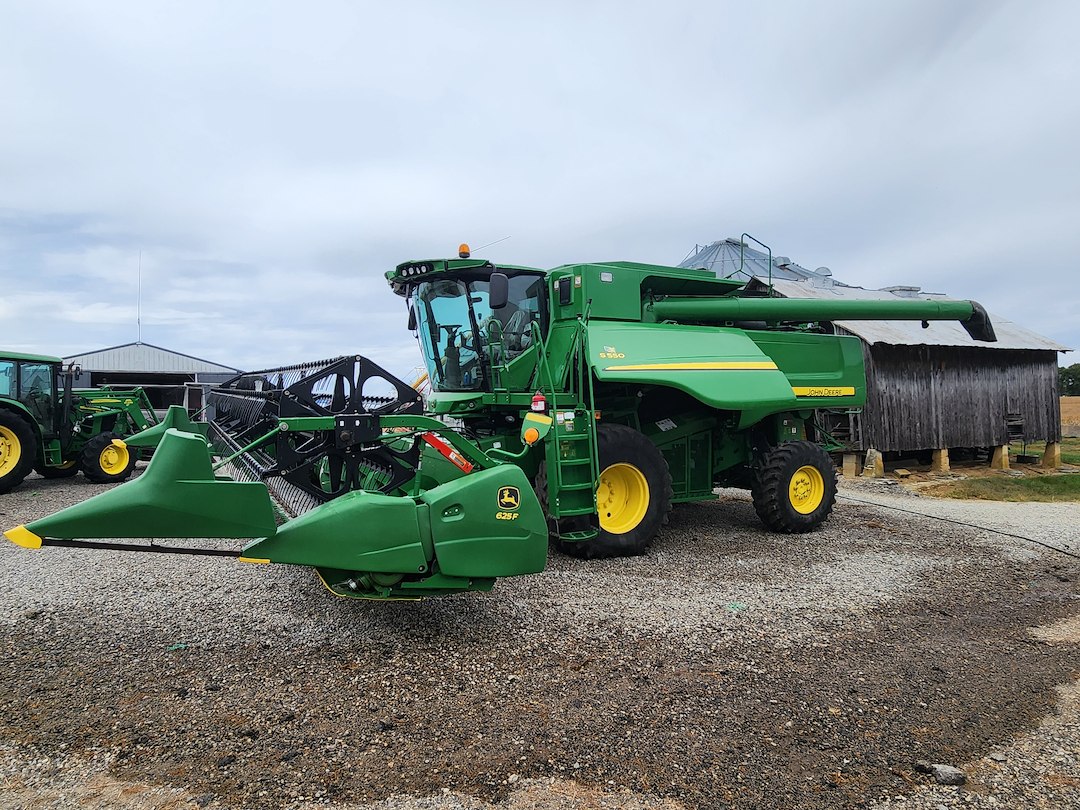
(824, 371)
(723, 368)
(360, 531)
(488, 524)
(177, 496)
(614, 289)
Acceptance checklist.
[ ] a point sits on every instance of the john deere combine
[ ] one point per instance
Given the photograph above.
(578, 403)
(48, 426)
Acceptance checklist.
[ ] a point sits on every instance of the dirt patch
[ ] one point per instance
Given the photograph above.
(1063, 631)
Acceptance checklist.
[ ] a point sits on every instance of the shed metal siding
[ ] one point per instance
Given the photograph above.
(923, 397)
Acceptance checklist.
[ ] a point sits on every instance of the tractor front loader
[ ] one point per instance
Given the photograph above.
(48, 426)
(576, 405)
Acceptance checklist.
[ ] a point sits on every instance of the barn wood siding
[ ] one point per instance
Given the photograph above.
(925, 397)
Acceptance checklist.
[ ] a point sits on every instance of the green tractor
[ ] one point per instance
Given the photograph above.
(575, 405)
(48, 426)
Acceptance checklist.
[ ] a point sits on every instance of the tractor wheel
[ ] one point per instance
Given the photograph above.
(104, 462)
(633, 497)
(17, 450)
(65, 470)
(794, 487)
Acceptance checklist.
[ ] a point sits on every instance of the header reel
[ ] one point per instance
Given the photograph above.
(311, 431)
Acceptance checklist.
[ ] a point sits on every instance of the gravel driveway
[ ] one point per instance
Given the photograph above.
(729, 667)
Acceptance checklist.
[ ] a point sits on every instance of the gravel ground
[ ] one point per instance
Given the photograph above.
(729, 667)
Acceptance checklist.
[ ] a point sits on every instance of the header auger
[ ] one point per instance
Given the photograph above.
(577, 404)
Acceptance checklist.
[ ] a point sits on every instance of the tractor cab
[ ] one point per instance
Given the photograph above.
(35, 383)
(473, 319)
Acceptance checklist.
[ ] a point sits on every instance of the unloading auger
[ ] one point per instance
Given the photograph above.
(577, 403)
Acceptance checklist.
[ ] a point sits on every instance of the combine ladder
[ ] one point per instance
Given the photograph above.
(571, 452)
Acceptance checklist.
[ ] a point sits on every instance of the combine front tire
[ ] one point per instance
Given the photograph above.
(633, 497)
(17, 450)
(105, 461)
(794, 488)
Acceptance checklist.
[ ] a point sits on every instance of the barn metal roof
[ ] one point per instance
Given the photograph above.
(146, 357)
(1010, 335)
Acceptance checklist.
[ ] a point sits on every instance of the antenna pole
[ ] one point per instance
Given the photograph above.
(138, 316)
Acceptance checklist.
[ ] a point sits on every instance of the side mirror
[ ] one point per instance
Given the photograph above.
(498, 290)
(412, 318)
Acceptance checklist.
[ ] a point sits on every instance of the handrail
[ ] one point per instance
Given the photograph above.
(742, 244)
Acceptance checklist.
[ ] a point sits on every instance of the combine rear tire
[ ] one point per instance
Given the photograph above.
(65, 470)
(794, 488)
(106, 463)
(633, 498)
(17, 450)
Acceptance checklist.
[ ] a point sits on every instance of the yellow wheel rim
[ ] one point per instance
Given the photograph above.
(114, 458)
(10, 450)
(806, 490)
(622, 498)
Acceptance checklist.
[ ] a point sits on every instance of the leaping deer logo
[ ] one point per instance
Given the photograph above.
(509, 498)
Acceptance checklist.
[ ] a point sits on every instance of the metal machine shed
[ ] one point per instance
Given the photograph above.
(927, 388)
(164, 373)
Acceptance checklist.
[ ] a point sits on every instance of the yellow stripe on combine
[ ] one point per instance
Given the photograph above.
(257, 560)
(825, 391)
(732, 365)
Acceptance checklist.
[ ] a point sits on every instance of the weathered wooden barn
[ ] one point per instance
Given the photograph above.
(927, 388)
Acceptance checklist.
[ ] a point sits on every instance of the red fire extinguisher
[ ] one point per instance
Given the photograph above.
(539, 404)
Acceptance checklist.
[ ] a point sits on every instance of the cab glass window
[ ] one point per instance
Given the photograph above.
(36, 391)
(35, 379)
(7, 378)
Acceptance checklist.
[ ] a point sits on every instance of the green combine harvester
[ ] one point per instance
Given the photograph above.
(57, 430)
(577, 404)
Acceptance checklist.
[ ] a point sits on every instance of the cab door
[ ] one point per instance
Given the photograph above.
(37, 391)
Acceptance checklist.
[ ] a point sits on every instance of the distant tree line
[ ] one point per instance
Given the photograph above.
(1069, 380)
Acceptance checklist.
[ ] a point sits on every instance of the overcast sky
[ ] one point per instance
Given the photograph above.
(272, 160)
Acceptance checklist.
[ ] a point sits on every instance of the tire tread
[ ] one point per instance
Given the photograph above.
(770, 486)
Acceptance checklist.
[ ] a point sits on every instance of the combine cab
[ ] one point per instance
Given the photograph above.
(576, 405)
